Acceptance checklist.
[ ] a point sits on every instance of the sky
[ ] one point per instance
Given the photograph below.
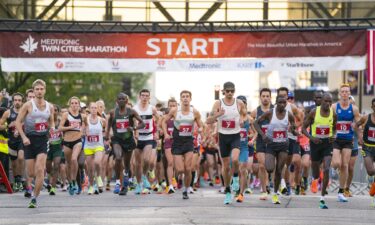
(202, 86)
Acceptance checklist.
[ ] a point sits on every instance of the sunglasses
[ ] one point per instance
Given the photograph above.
(229, 91)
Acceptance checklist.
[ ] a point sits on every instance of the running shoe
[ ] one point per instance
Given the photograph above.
(28, 192)
(164, 184)
(191, 190)
(71, 189)
(117, 188)
(275, 199)
(185, 195)
(124, 191)
(174, 182)
(179, 184)
(372, 189)
(217, 180)
(256, 183)
(77, 189)
(171, 189)
(314, 186)
(151, 174)
(48, 187)
(228, 198)
(159, 190)
(210, 184)
(248, 191)
(52, 191)
(263, 196)
(138, 189)
(90, 190)
(239, 198)
(15, 187)
(235, 184)
(146, 191)
(146, 183)
(99, 181)
(342, 198)
(303, 192)
(322, 205)
(96, 189)
(347, 193)
(298, 190)
(64, 188)
(33, 203)
(108, 187)
(222, 190)
(268, 189)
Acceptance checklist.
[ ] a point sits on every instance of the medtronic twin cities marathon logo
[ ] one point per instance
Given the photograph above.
(57, 45)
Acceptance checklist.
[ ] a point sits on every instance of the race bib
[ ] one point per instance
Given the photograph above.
(93, 138)
(279, 135)
(343, 127)
(185, 130)
(54, 136)
(243, 134)
(228, 124)
(41, 126)
(122, 125)
(264, 128)
(322, 131)
(170, 130)
(371, 134)
(146, 128)
(75, 123)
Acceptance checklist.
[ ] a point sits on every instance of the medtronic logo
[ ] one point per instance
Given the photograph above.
(29, 46)
(204, 66)
(252, 65)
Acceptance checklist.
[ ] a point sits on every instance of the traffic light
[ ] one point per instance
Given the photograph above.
(127, 86)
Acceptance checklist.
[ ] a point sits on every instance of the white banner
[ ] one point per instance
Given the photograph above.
(106, 65)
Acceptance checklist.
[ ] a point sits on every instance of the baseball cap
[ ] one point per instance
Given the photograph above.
(228, 85)
(290, 94)
(242, 98)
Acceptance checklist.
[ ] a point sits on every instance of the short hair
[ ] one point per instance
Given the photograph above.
(345, 85)
(100, 101)
(159, 105)
(122, 94)
(17, 94)
(282, 89)
(29, 91)
(144, 91)
(57, 107)
(39, 82)
(171, 100)
(264, 90)
(185, 92)
(372, 101)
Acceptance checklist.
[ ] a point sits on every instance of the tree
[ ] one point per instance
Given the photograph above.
(87, 86)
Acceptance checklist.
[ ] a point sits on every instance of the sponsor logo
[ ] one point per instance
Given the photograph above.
(250, 65)
(197, 66)
(298, 65)
(161, 64)
(115, 65)
(29, 46)
(59, 65)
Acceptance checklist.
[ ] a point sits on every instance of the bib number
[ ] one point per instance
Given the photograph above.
(243, 134)
(122, 125)
(228, 124)
(41, 126)
(93, 138)
(279, 135)
(264, 129)
(371, 134)
(322, 131)
(343, 127)
(185, 130)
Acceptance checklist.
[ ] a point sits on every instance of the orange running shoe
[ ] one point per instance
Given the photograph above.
(314, 186)
(239, 198)
(372, 189)
(217, 180)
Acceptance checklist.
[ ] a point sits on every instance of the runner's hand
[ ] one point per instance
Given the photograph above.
(26, 141)
(315, 140)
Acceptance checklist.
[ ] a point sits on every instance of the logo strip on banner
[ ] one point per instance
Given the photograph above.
(371, 58)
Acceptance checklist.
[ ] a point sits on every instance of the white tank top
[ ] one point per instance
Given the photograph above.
(145, 134)
(184, 123)
(288, 108)
(36, 122)
(277, 129)
(229, 123)
(94, 136)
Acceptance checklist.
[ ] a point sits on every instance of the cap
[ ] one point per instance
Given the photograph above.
(242, 98)
(290, 94)
(82, 104)
(228, 85)
(352, 98)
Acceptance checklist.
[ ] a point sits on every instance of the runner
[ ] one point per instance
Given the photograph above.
(228, 112)
(322, 121)
(244, 150)
(71, 124)
(260, 146)
(30, 94)
(172, 104)
(144, 153)
(276, 140)
(38, 118)
(184, 117)
(15, 147)
(343, 145)
(367, 140)
(121, 121)
(55, 152)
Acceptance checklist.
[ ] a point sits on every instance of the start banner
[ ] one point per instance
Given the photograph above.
(146, 52)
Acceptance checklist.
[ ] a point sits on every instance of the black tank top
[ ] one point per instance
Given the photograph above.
(121, 123)
(71, 118)
(369, 132)
(12, 117)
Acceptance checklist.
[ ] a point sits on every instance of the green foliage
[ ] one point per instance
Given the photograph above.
(87, 86)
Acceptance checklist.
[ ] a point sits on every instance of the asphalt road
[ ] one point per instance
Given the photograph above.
(204, 207)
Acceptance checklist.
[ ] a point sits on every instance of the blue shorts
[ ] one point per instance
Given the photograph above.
(244, 154)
